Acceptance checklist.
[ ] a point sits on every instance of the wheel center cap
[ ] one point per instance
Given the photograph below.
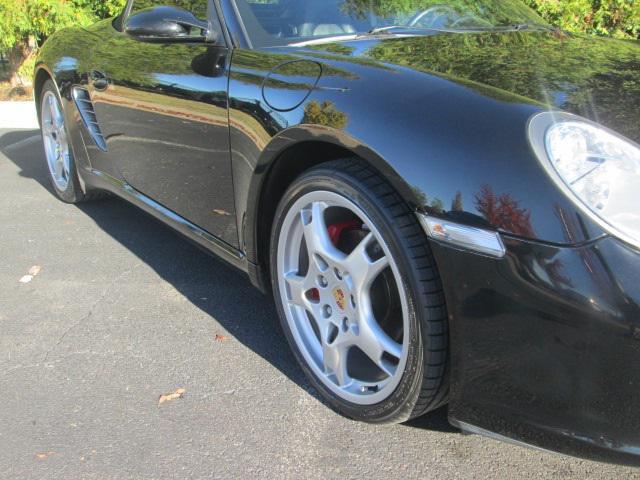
(340, 298)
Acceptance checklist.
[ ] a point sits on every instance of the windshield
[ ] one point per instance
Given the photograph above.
(285, 22)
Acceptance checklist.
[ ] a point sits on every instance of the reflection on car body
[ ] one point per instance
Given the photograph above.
(308, 142)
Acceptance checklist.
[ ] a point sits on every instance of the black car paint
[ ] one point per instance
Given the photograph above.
(543, 342)
(545, 345)
(167, 119)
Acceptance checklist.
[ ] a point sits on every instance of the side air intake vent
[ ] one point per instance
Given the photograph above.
(85, 107)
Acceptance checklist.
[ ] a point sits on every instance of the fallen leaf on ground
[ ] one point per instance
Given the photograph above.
(35, 270)
(221, 338)
(224, 213)
(44, 455)
(167, 397)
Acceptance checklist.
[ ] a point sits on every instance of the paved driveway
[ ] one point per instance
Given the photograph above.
(123, 311)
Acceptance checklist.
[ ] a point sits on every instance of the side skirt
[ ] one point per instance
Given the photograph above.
(200, 237)
(472, 429)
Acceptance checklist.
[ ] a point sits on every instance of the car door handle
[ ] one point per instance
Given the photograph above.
(99, 80)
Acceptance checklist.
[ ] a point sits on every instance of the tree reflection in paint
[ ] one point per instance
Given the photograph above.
(325, 114)
(504, 212)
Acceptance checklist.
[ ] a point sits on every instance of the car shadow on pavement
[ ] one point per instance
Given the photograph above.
(19, 146)
(203, 280)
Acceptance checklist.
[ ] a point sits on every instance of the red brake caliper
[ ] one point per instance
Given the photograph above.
(335, 232)
(337, 229)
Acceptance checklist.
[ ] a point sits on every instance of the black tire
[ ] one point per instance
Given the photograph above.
(424, 383)
(73, 192)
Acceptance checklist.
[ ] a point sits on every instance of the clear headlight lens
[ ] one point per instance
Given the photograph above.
(601, 169)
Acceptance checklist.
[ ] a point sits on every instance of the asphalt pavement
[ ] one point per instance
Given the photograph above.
(120, 310)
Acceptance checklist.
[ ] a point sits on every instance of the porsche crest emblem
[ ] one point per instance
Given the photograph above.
(338, 294)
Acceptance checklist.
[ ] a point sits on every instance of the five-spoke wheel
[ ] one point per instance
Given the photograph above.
(54, 136)
(348, 267)
(345, 302)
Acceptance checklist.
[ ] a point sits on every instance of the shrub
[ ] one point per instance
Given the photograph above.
(618, 18)
(25, 24)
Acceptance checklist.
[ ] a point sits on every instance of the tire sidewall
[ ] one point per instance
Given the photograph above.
(399, 405)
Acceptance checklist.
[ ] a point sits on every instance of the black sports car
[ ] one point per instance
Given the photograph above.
(443, 195)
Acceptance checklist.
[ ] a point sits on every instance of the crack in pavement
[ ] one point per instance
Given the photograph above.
(88, 353)
(86, 317)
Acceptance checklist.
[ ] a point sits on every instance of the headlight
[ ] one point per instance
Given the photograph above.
(597, 167)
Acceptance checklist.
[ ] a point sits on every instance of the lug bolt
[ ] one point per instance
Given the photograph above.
(322, 281)
(337, 273)
(326, 310)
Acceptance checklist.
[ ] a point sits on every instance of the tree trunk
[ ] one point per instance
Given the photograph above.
(16, 56)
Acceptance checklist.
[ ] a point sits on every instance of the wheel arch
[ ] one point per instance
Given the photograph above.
(280, 164)
(40, 77)
(42, 74)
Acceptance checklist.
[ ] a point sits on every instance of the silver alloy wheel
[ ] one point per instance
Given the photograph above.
(339, 317)
(54, 136)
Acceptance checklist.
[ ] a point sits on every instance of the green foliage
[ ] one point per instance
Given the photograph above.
(38, 19)
(495, 12)
(619, 18)
(14, 23)
(101, 8)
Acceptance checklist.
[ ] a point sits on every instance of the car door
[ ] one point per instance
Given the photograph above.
(161, 103)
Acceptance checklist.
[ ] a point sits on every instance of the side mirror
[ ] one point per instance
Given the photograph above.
(168, 24)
